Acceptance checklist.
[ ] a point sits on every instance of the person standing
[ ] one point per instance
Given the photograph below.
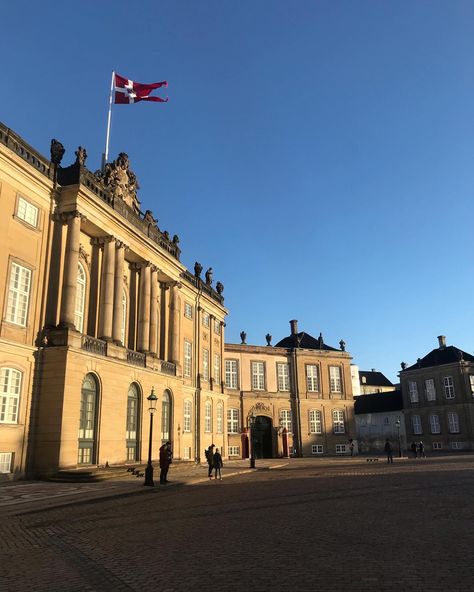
(388, 451)
(414, 449)
(218, 464)
(351, 446)
(164, 463)
(209, 457)
(421, 450)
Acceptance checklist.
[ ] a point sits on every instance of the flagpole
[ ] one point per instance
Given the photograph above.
(105, 155)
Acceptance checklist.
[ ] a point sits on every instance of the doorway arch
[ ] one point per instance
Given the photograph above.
(262, 437)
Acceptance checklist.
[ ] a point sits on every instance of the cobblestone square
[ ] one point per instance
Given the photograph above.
(303, 524)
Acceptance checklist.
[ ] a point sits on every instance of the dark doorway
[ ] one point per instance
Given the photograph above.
(262, 437)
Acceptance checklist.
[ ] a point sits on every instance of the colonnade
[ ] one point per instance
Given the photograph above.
(149, 323)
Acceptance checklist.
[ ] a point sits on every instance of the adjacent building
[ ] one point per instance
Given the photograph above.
(438, 398)
(299, 393)
(379, 416)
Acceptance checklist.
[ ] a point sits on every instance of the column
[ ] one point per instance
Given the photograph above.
(68, 298)
(154, 312)
(107, 289)
(163, 349)
(222, 372)
(212, 379)
(174, 323)
(117, 325)
(144, 309)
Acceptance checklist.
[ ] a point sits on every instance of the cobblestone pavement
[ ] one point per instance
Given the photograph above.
(304, 525)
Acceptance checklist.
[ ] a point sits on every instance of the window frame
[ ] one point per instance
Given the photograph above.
(208, 417)
(283, 379)
(188, 310)
(187, 359)
(338, 421)
(454, 426)
(217, 368)
(80, 302)
(229, 374)
(413, 391)
(416, 426)
(430, 391)
(448, 385)
(311, 381)
(256, 376)
(233, 420)
(317, 449)
(334, 388)
(435, 424)
(9, 399)
(315, 421)
(28, 204)
(13, 318)
(285, 417)
(220, 418)
(205, 364)
(187, 416)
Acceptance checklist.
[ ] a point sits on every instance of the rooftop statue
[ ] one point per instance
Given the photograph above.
(57, 152)
(209, 276)
(197, 269)
(243, 337)
(81, 156)
(121, 181)
(219, 287)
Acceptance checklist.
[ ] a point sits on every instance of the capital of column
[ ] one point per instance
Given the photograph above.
(64, 217)
(121, 245)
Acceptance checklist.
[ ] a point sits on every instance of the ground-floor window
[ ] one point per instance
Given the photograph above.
(457, 445)
(317, 449)
(341, 448)
(234, 450)
(187, 453)
(6, 462)
(437, 446)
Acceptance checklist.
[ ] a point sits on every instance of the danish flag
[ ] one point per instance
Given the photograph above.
(128, 92)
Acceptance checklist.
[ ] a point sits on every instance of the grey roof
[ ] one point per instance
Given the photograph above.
(373, 378)
(378, 402)
(440, 356)
(305, 341)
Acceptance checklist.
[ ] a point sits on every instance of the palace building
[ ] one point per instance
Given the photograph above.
(98, 310)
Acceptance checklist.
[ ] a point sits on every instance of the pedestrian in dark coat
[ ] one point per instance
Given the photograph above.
(209, 457)
(388, 451)
(421, 450)
(414, 449)
(164, 463)
(217, 463)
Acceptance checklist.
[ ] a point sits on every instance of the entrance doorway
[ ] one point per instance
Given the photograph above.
(262, 437)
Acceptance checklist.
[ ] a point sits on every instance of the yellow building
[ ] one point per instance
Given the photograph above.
(298, 394)
(97, 310)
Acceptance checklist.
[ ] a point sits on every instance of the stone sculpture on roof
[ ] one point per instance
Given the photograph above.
(121, 181)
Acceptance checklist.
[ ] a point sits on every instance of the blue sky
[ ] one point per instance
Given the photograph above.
(317, 154)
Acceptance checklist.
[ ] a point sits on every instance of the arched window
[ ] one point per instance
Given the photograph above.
(166, 417)
(10, 386)
(124, 317)
(88, 421)
(80, 298)
(315, 424)
(188, 407)
(208, 417)
(220, 418)
(133, 407)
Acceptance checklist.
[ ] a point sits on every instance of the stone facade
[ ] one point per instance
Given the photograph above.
(300, 394)
(438, 398)
(98, 310)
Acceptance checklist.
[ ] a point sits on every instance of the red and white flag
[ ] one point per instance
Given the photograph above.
(128, 92)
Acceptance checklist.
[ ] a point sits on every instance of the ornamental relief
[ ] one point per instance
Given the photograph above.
(260, 408)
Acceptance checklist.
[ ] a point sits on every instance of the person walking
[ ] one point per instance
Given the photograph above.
(217, 463)
(351, 446)
(164, 463)
(414, 449)
(209, 452)
(388, 451)
(421, 449)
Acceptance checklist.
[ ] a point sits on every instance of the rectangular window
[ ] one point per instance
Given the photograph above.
(187, 416)
(430, 390)
(231, 374)
(6, 462)
(286, 420)
(338, 421)
(27, 212)
(413, 391)
(457, 445)
(335, 379)
(434, 424)
(208, 417)
(205, 364)
(283, 374)
(206, 319)
(220, 418)
(18, 294)
(448, 387)
(10, 386)
(217, 327)
(453, 422)
(386, 421)
(416, 424)
(234, 450)
(187, 453)
(315, 424)
(471, 382)
(217, 369)
(188, 310)
(341, 448)
(312, 378)
(233, 421)
(317, 449)
(188, 358)
(437, 446)
(258, 376)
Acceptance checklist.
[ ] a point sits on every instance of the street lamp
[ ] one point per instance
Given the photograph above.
(152, 399)
(252, 419)
(397, 423)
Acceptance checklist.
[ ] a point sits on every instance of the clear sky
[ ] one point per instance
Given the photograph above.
(317, 154)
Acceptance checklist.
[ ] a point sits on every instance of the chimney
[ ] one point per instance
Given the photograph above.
(373, 370)
(294, 327)
(442, 341)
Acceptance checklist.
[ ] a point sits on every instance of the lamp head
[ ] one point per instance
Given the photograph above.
(152, 400)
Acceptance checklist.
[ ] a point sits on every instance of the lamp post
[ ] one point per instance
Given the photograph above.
(397, 423)
(252, 425)
(152, 399)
